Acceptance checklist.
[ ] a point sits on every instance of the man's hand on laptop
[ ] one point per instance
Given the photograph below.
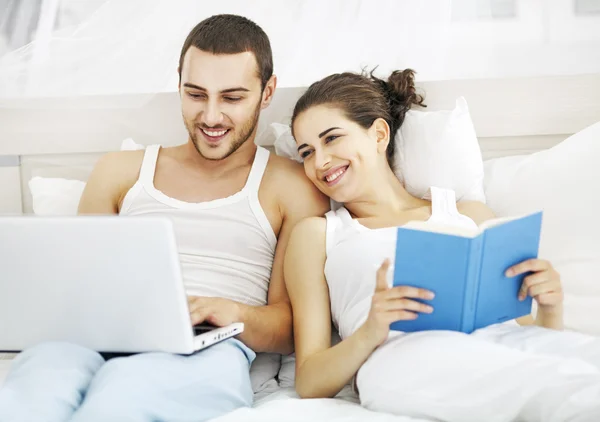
(214, 310)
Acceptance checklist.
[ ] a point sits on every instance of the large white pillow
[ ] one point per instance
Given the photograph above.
(440, 148)
(563, 182)
(433, 148)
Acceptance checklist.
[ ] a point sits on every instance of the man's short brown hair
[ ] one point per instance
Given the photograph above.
(232, 34)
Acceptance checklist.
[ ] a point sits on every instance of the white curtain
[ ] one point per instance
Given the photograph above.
(18, 21)
(112, 47)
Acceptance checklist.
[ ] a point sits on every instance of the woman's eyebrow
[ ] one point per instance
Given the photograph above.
(325, 132)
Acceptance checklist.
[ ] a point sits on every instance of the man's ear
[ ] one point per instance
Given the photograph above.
(268, 92)
(381, 132)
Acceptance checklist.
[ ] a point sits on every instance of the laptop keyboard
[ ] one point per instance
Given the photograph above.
(203, 328)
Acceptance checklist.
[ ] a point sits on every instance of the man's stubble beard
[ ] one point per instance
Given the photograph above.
(246, 131)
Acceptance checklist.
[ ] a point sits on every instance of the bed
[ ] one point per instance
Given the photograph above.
(62, 138)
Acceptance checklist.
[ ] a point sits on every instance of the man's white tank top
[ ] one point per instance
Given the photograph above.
(355, 252)
(226, 246)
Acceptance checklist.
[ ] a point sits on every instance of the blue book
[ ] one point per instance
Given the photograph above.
(465, 269)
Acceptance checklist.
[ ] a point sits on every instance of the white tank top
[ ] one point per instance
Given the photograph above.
(226, 246)
(355, 252)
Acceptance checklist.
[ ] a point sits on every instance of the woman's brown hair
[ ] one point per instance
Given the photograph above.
(365, 98)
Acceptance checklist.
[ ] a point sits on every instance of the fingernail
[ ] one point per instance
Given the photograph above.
(429, 309)
(430, 295)
(508, 273)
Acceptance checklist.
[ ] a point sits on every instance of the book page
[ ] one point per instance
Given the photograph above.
(496, 222)
(434, 227)
(501, 220)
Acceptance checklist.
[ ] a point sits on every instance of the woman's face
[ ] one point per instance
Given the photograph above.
(339, 155)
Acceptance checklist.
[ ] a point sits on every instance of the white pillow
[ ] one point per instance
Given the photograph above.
(563, 182)
(130, 145)
(434, 148)
(57, 196)
(440, 148)
(285, 145)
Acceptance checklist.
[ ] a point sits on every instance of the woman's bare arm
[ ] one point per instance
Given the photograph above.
(321, 370)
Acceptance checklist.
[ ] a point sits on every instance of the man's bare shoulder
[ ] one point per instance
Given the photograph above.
(284, 172)
(311, 227)
(294, 190)
(112, 177)
(284, 163)
(120, 164)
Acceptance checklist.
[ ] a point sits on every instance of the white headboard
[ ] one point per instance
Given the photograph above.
(64, 137)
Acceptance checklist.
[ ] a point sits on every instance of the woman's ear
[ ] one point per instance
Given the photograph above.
(381, 131)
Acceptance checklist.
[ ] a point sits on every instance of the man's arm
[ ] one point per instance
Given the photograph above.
(269, 328)
(112, 176)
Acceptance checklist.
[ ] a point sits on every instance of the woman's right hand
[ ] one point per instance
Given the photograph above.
(390, 304)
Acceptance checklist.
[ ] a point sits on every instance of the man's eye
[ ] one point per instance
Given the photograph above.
(233, 99)
(195, 95)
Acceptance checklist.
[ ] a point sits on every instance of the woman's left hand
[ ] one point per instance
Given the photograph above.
(544, 285)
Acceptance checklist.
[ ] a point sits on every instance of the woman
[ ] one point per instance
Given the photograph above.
(344, 126)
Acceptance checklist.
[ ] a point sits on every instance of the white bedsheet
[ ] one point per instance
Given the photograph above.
(284, 405)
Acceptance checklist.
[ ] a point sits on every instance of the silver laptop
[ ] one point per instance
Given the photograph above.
(109, 283)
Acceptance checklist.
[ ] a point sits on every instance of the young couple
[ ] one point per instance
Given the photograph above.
(258, 244)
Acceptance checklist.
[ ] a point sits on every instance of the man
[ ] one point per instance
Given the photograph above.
(233, 206)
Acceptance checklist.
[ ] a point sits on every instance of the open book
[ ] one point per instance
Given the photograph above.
(465, 269)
